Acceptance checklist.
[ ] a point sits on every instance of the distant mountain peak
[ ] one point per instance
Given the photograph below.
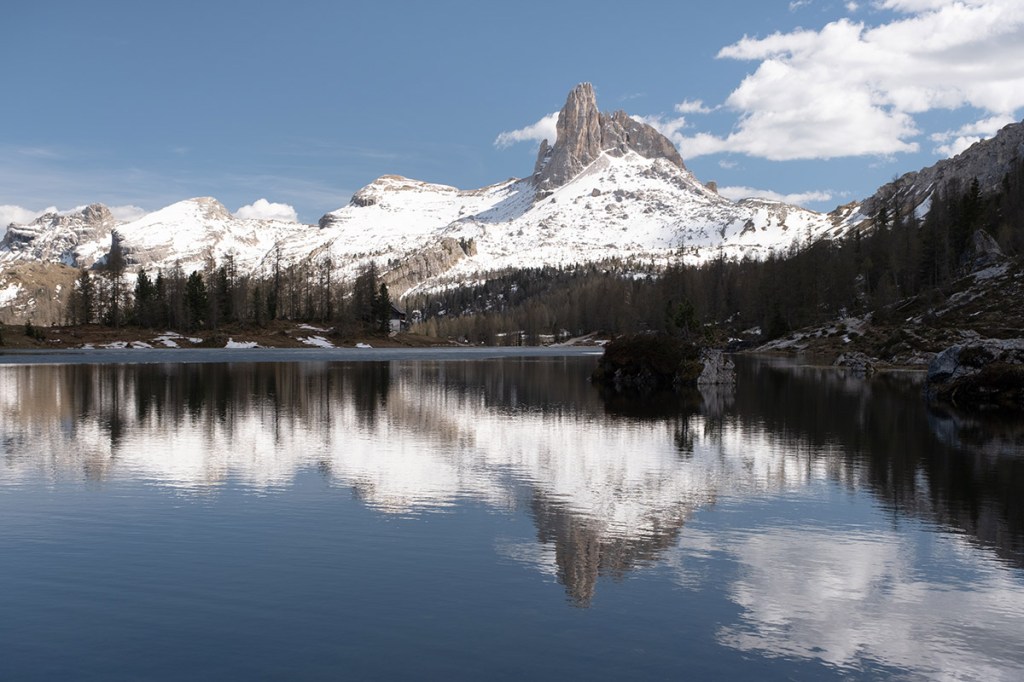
(584, 133)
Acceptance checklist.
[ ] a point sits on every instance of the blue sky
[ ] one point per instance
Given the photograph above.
(301, 103)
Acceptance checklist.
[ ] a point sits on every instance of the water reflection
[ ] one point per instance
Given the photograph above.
(900, 600)
(612, 486)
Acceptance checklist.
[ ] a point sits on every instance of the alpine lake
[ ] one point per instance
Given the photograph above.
(487, 516)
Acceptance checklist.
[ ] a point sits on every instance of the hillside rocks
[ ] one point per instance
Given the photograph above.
(988, 161)
(982, 252)
(584, 133)
(856, 362)
(980, 375)
(646, 363)
(35, 292)
(427, 263)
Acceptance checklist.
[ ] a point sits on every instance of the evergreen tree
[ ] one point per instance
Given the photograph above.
(145, 312)
(365, 291)
(382, 309)
(160, 300)
(83, 299)
(196, 301)
(116, 303)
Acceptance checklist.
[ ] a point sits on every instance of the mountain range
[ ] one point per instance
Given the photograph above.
(609, 188)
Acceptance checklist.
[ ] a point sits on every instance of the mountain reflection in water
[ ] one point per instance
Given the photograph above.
(612, 484)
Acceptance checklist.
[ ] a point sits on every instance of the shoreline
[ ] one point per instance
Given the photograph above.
(114, 356)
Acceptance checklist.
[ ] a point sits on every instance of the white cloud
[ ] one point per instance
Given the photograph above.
(261, 209)
(544, 129)
(850, 89)
(127, 212)
(16, 214)
(797, 198)
(852, 7)
(692, 106)
(797, 4)
(727, 164)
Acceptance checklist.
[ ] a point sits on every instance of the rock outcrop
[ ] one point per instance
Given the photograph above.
(584, 133)
(982, 252)
(981, 375)
(646, 363)
(987, 161)
(427, 263)
(58, 238)
(717, 369)
(856, 362)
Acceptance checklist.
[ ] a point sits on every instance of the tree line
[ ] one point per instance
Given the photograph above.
(900, 256)
(220, 295)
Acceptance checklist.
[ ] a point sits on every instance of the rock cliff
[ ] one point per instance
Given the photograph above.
(988, 161)
(584, 133)
(56, 238)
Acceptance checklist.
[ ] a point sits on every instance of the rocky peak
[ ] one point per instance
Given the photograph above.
(97, 215)
(93, 215)
(211, 208)
(584, 133)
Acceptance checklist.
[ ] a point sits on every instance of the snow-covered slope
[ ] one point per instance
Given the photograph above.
(609, 188)
(620, 207)
(194, 231)
(189, 233)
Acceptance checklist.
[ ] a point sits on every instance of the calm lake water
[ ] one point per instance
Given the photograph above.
(500, 519)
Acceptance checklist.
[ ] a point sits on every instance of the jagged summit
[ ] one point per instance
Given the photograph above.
(68, 238)
(584, 133)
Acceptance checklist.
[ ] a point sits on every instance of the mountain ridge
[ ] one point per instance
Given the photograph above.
(610, 188)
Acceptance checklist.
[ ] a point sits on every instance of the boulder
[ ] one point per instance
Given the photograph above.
(856, 362)
(980, 375)
(717, 370)
(982, 251)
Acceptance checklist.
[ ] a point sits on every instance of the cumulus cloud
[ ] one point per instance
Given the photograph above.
(850, 89)
(261, 209)
(127, 212)
(798, 198)
(16, 214)
(692, 106)
(543, 129)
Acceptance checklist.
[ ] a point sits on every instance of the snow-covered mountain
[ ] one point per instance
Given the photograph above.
(610, 187)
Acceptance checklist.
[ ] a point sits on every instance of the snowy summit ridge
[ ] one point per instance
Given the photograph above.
(608, 188)
(584, 133)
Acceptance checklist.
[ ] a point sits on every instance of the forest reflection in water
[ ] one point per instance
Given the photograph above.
(612, 485)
